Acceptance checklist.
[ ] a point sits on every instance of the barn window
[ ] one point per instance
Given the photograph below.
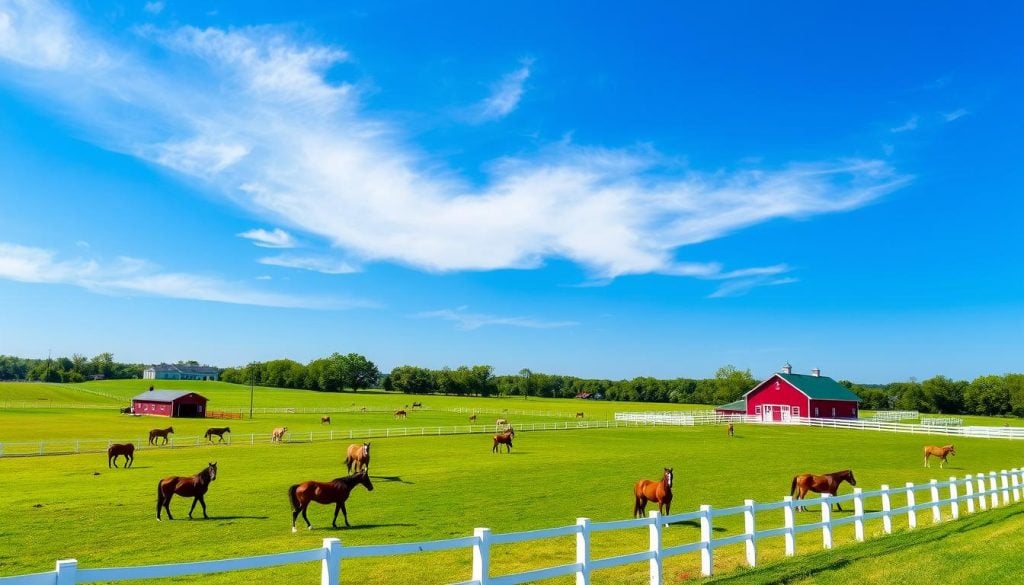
(796, 411)
(816, 411)
(833, 412)
(757, 409)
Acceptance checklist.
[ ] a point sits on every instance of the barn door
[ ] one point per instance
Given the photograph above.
(785, 413)
(766, 413)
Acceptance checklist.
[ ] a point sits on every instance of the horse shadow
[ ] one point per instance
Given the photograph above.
(696, 524)
(364, 526)
(391, 478)
(237, 518)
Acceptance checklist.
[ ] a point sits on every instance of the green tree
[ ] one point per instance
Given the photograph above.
(360, 372)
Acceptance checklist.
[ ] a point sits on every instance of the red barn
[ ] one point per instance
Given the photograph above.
(738, 407)
(176, 403)
(786, 395)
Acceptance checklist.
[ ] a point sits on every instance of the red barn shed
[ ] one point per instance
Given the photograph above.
(738, 407)
(786, 395)
(176, 403)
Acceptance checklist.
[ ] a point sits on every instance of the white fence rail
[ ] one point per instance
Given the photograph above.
(974, 492)
(893, 415)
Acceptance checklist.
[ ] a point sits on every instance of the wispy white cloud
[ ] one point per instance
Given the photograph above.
(955, 114)
(742, 286)
(505, 95)
(154, 7)
(910, 124)
(468, 321)
(256, 120)
(325, 265)
(276, 238)
(128, 276)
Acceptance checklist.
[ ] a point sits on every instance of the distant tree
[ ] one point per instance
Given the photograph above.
(412, 380)
(360, 372)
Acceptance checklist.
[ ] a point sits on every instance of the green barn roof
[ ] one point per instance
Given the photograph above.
(739, 405)
(819, 387)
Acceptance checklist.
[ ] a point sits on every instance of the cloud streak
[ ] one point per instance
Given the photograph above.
(256, 120)
(468, 321)
(505, 95)
(276, 238)
(128, 276)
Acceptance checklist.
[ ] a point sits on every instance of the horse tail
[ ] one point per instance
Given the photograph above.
(159, 497)
(792, 487)
(293, 498)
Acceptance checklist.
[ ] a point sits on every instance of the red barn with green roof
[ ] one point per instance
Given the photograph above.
(786, 395)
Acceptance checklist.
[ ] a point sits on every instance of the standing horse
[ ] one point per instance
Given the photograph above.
(504, 439)
(155, 433)
(501, 422)
(358, 457)
(113, 451)
(822, 484)
(472, 418)
(940, 452)
(579, 415)
(126, 410)
(277, 434)
(188, 487)
(647, 490)
(216, 431)
(732, 431)
(333, 492)
(417, 405)
(401, 414)
(325, 420)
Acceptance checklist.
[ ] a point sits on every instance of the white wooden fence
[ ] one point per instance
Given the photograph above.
(974, 492)
(893, 415)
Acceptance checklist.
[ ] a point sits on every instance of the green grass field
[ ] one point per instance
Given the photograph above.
(431, 488)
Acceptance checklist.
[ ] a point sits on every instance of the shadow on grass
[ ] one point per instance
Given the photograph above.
(391, 478)
(361, 526)
(811, 566)
(695, 524)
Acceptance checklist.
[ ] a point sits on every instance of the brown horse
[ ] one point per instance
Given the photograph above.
(647, 490)
(401, 414)
(358, 457)
(940, 452)
(579, 415)
(504, 439)
(325, 420)
(332, 492)
(822, 484)
(472, 418)
(277, 434)
(188, 487)
(155, 433)
(417, 405)
(217, 431)
(732, 431)
(113, 451)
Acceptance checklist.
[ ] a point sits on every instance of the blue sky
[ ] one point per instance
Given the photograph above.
(578, 189)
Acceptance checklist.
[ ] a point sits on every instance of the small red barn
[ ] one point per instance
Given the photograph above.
(786, 395)
(176, 403)
(738, 407)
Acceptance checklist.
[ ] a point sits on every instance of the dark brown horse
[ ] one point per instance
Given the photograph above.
(155, 433)
(647, 490)
(217, 431)
(126, 410)
(504, 438)
(940, 452)
(401, 414)
(333, 492)
(358, 457)
(113, 451)
(822, 484)
(188, 487)
(417, 405)
(325, 420)
(579, 415)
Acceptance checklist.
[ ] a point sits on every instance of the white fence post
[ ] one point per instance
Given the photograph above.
(826, 522)
(858, 514)
(706, 553)
(969, 493)
(654, 530)
(993, 489)
(954, 505)
(330, 567)
(886, 510)
(1004, 479)
(911, 502)
(936, 513)
(67, 572)
(1015, 483)
(482, 556)
(982, 503)
(583, 551)
(750, 528)
(790, 536)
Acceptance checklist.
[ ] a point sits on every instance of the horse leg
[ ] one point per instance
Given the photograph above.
(112, 460)
(344, 514)
(159, 501)
(306, 518)
(167, 505)
(195, 501)
(202, 501)
(131, 459)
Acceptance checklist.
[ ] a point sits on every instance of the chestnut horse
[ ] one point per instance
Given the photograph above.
(940, 452)
(472, 418)
(579, 415)
(325, 420)
(332, 492)
(277, 434)
(822, 484)
(113, 451)
(358, 457)
(153, 434)
(217, 431)
(401, 414)
(647, 490)
(189, 487)
(504, 439)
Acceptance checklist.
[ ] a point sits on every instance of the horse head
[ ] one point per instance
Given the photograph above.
(668, 476)
(848, 476)
(366, 449)
(952, 450)
(212, 470)
(364, 478)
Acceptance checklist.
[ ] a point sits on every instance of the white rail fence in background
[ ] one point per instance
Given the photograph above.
(974, 492)
(896, 414)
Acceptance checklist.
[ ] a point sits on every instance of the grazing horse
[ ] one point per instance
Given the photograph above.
(153, 434)
(417, 405)
(358, 457)
(501, 422)
(732, 431)
(401, 414)
(504, 439)
(940, 452)
(219, 431)
(822, 484)
(189, 487)
(325, 420)
(332, 492)
(277, 434)
(579, 415)
(126, 410)
(647, 490)
(113, 451)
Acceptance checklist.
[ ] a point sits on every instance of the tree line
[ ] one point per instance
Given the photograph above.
(76, 368)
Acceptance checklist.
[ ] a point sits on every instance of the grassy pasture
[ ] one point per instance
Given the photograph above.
(430, 488)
